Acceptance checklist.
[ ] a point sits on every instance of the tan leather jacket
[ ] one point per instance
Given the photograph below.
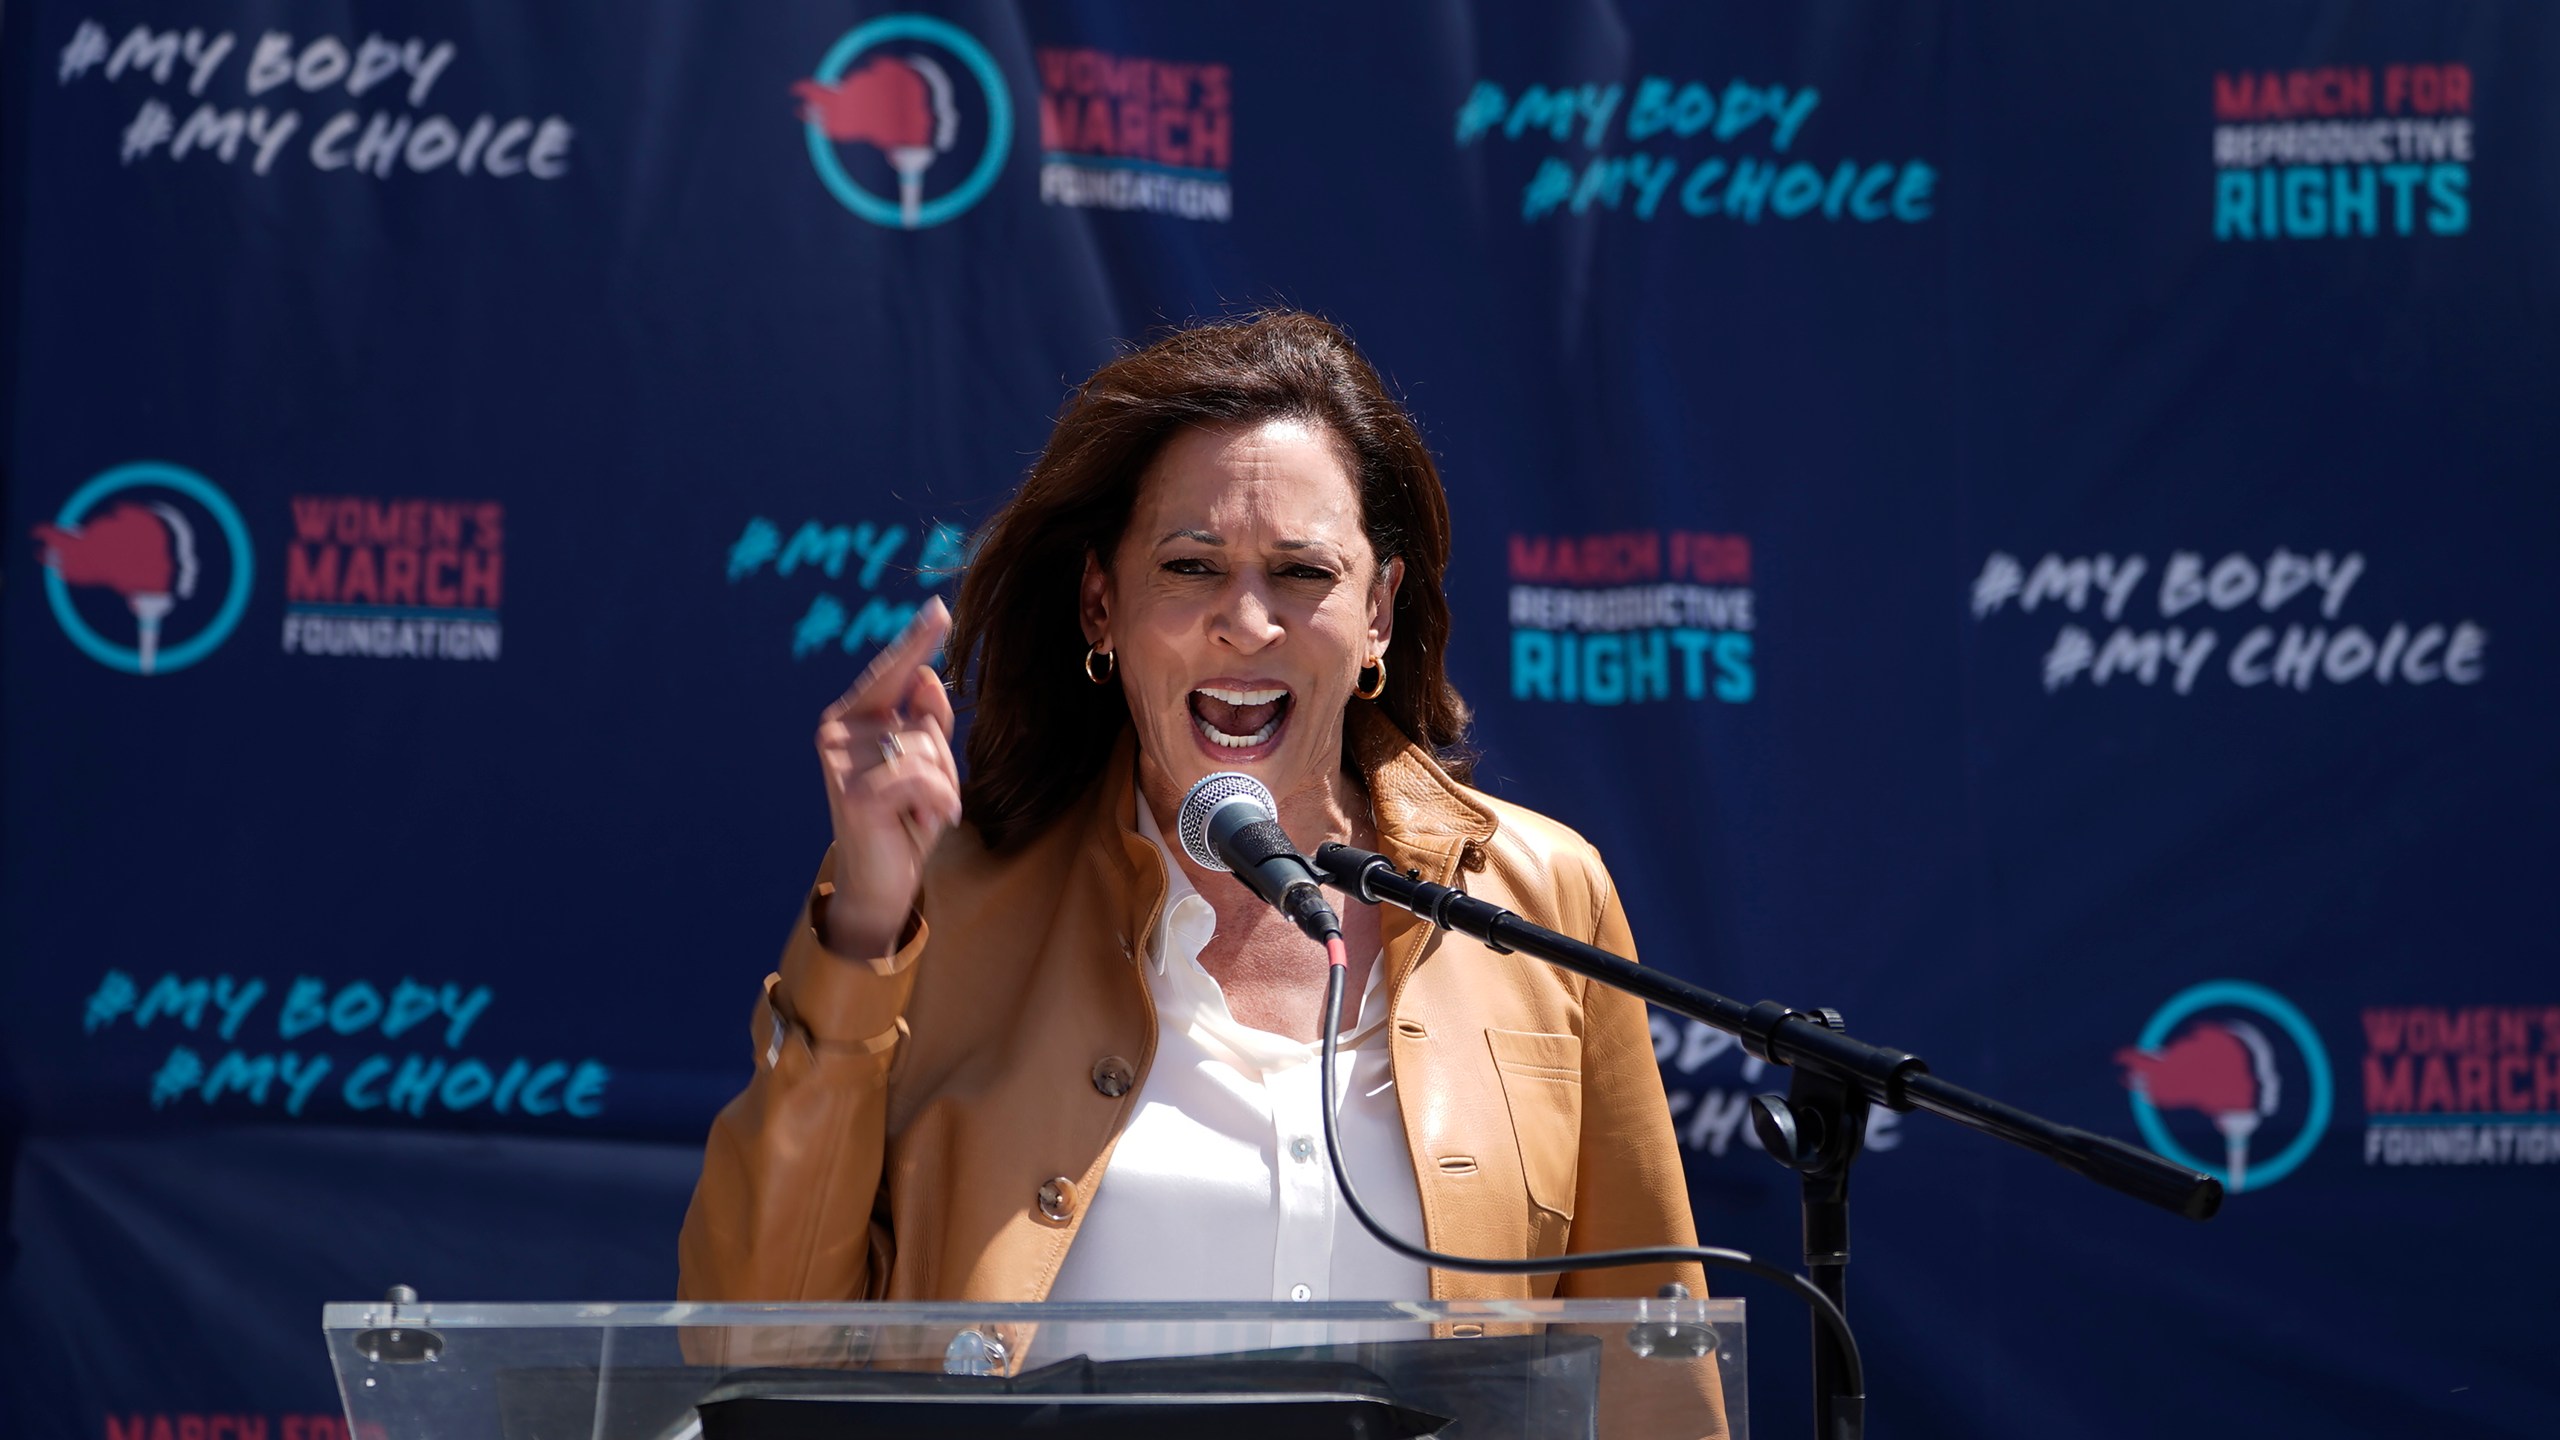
(933, 1125)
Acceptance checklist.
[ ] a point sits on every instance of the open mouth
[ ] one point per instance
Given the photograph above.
(1239, 719)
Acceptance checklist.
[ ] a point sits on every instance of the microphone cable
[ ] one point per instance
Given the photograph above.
(1833, 1319)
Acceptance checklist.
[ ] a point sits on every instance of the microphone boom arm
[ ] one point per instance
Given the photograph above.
(1892, 1078)
(1817, 1129)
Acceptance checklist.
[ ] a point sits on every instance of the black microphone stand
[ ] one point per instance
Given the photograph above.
(1819, 1127)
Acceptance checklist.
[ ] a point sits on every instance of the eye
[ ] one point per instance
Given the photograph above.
(1188, 565)
(1305, 572)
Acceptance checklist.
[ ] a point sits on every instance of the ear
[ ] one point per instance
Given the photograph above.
(1093, 601)
(1382, 606)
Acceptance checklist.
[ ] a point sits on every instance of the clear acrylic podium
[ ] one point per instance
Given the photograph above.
(1469, 1370)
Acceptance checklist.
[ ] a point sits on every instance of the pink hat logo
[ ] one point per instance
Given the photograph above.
(146, 533)
(900, 105)
(2224, 1068)
(910, 94)
(145, 553)
(2239, 1055)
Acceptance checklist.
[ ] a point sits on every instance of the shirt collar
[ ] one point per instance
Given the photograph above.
(1188, 921)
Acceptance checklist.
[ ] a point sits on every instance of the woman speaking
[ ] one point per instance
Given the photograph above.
(1020, 1049)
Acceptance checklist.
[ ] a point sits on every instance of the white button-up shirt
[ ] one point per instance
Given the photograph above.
(1218, 1188)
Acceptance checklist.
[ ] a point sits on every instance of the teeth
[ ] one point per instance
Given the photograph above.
(1237, 742)
(1242, 697)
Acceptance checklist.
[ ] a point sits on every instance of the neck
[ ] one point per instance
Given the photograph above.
(1325, 806)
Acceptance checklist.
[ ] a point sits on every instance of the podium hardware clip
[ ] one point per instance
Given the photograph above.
(400, 1339)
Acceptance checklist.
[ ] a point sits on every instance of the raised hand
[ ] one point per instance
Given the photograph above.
(893, 786)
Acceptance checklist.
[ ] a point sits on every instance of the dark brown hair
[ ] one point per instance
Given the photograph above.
(1039, 733)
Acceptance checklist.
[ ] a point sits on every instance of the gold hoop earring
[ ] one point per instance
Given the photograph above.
(1366, 688)
(1110, 665)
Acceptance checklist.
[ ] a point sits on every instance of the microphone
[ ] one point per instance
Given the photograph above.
(1230, 822)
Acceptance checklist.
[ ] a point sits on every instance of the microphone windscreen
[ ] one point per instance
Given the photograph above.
(1212, 794)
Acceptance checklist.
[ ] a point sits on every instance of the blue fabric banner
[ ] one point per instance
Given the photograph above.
(2015, 522)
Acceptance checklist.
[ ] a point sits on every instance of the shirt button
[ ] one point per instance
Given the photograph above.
(1302, 1148)
(1112, 1076)
(1300, 1292)
(1058, 1197)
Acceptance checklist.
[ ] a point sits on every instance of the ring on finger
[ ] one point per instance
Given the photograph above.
(891, 751)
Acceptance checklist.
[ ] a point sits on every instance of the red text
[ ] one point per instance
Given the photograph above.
(1130, 108)
(1631, 556)
(430, 554)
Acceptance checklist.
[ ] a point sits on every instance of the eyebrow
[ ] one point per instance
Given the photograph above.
(1205, 538)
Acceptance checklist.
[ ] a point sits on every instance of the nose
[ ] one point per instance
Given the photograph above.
(1244, 620)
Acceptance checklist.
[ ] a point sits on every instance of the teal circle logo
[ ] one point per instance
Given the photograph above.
(2233, 1071)
(905, 104)
(149, 552)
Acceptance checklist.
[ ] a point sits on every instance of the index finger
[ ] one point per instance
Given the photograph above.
(884, 681)
(928, 701)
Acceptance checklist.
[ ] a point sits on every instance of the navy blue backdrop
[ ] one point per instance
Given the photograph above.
(2019, 522)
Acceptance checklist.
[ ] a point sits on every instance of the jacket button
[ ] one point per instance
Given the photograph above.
(1112, 1076)
(1058, 1197)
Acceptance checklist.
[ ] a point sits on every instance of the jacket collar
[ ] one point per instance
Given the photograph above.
(1425, 819)
(1110, 840)
(1427, 823)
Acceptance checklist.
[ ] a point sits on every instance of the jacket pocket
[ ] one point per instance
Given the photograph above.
(1542, 1084)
